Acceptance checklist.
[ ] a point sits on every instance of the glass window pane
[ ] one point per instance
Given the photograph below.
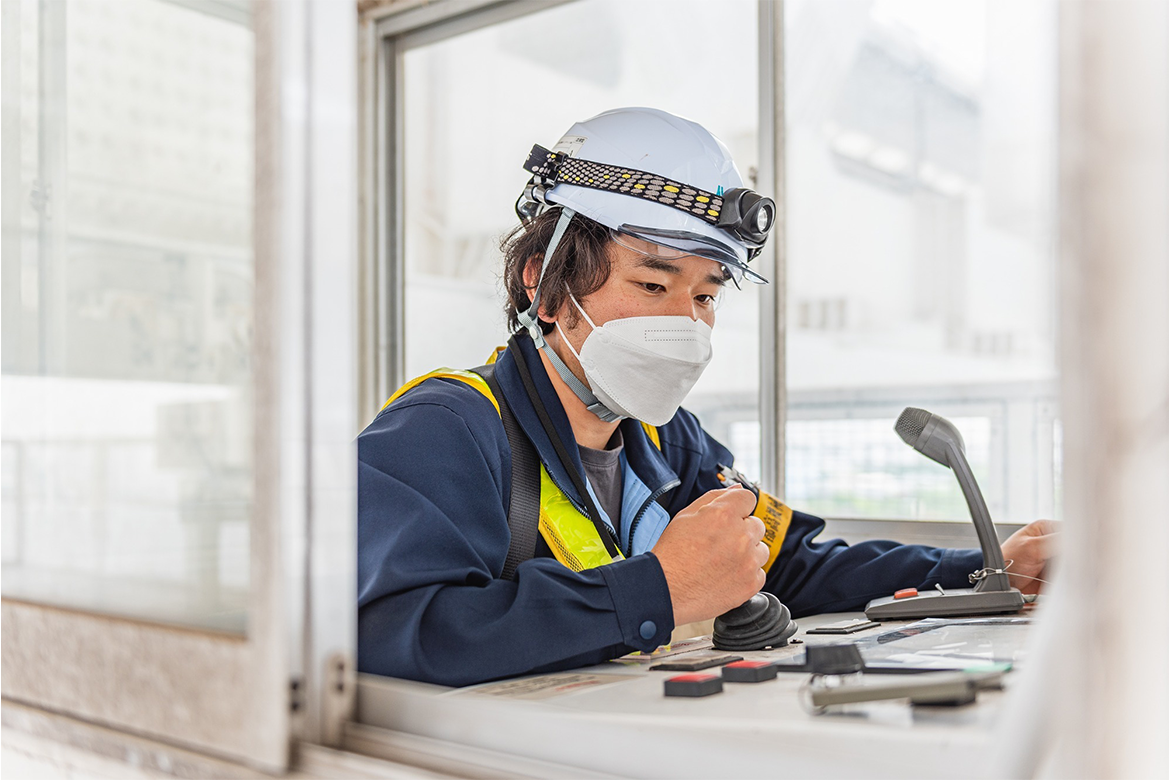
(921, 164)
(476, 103)
(128, 272)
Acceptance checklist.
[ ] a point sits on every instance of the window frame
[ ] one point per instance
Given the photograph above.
(243, 697)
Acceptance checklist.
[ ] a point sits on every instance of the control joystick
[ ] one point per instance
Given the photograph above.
(761, 621)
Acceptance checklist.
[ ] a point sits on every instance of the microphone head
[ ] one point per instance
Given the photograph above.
(911, 423)
(930, 434)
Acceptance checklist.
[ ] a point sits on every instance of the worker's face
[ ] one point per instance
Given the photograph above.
(640, 284)
(643, 285)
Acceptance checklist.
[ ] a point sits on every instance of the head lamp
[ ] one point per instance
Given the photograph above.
(748, 216)
(742, 213)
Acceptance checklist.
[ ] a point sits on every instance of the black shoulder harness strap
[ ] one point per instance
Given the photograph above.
(524, 507)
(607, 536)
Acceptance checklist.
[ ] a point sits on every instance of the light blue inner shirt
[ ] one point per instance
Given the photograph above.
(634, 494)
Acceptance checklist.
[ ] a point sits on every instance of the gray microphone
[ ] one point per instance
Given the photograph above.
(938, 439)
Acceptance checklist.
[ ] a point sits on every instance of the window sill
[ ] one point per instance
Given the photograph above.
(936, 533)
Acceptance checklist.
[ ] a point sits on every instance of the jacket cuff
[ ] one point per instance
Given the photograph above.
(641, 601)
(953, 569)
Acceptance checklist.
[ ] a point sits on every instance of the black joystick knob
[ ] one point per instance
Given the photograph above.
(761, 621)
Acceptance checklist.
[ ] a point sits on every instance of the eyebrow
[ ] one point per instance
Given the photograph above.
(666, 266)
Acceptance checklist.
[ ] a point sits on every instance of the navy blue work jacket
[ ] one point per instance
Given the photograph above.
(434, 483)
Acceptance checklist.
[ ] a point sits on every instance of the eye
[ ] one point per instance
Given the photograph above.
(705, 300)
(652, 287)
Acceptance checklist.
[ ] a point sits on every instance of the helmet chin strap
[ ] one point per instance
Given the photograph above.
(530, 321)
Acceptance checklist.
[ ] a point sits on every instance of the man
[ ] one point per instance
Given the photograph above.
(564, 510)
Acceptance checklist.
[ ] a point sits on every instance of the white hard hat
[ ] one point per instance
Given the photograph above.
(658, 177)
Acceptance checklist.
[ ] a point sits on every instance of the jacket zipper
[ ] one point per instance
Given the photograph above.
(645, 504)
(581, 509)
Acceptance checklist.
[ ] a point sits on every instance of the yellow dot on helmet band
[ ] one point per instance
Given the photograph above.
(702, 199)
(625, 175)
(639, 186)
(670, 188)
(713, 212)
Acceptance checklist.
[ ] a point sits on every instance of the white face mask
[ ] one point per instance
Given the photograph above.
(643, 367)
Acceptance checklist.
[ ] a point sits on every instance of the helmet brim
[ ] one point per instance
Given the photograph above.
(686, 243)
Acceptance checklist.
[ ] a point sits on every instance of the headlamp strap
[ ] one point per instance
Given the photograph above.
(557, 168)
(530, 318)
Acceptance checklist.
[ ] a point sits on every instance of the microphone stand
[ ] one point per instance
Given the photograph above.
(938, 439)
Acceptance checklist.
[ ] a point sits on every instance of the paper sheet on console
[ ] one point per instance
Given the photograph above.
(677, 648)
(544, 686)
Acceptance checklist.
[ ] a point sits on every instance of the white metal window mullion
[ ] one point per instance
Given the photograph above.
(317, 347)
(773, 388)
(331, 346)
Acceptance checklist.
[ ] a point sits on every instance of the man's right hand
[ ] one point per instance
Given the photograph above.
(711, 554)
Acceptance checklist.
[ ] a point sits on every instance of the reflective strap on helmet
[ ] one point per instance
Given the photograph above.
(744, 215)
(563, 169)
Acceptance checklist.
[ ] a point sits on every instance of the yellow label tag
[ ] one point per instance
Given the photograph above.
(776, 517)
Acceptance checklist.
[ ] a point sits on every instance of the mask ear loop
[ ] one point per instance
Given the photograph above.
(588, 319)
(529, 319)
(603, 412)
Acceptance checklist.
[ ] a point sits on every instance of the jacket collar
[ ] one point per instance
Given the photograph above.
(644, 458)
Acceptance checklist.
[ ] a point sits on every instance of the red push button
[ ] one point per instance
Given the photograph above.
(699, 684)
(906, 593)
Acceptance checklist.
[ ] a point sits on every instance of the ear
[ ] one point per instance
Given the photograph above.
(531, 277)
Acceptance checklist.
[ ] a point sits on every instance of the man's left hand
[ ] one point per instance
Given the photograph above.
(1030, 549)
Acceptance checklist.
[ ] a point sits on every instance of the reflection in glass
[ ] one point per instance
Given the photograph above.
(476, 103)
(127, 263)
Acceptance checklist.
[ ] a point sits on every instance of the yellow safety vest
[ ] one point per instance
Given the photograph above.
(570, 535)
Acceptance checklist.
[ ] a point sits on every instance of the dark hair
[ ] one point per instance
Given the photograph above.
(581, 262)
